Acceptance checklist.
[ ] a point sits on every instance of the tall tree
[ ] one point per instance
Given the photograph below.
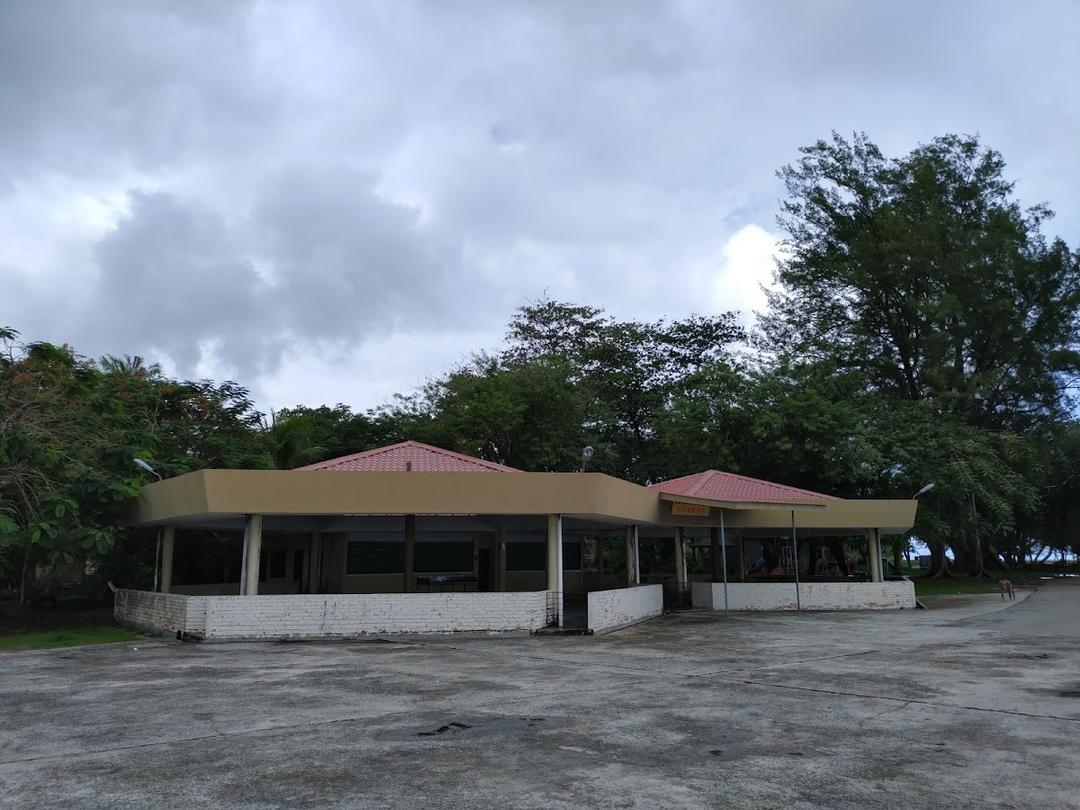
(68, 433)
(305, 435)
(525, 413)
(926, 273)
(627, 371)
(926, 276)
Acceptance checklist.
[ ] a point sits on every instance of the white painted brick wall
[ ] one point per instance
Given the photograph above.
(891, 595)
(812, 595)
(196, 616)
(621, 607)
(359, 615)
(168, 612)
(332, 615)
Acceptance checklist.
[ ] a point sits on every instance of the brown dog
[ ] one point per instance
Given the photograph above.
(1005, 587)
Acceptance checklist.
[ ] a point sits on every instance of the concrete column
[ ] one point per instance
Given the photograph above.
(600, 559)
(314, 580)
(714, 552)
(637, 557)
(500, 559)
(243, 558)
(633, 557)
(723, 558)
(555, 561)
(680, 558)
(873, 554)
(168, 534)
(410, 554)
(253, 546)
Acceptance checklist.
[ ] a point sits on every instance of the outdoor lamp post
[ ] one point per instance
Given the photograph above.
(142, 465)
(926, 488)
(586, 456)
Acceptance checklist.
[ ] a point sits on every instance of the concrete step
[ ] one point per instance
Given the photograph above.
(563, 631)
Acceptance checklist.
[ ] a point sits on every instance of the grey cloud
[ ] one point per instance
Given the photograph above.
(90, 87)
(320, 259)
(318, 173)
(173, 276)
(345, 261)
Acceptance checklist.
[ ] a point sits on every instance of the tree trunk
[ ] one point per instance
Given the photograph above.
(961, 555)
(939, 563)
(977, 566)
(23, 577)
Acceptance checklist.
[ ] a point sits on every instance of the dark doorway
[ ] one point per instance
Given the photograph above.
(483, 571)
(576, 610)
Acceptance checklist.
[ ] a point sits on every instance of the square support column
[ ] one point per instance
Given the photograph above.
(873, 555)
(168, 535)
(714, 553)
(252, 553)
(680, 558)
(555, 562)
(314, 578)
(600, 559)
(409, 584)
(500, 560)
(633, 559)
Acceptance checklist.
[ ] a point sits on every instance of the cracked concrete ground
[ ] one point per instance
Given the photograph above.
(968, 705)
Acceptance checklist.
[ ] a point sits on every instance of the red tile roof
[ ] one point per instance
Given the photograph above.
(413, 456)
(714, 485)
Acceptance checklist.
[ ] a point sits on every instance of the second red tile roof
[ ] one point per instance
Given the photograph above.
(723, 486)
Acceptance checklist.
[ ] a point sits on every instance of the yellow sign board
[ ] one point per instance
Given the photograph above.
(695, 509)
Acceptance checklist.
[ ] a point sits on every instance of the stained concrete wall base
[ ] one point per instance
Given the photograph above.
(810, 596)
(373, 638)
(619, 608)
(617, 627)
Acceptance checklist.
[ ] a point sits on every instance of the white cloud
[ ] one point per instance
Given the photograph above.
(747, 263)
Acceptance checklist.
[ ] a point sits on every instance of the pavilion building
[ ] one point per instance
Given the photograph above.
(412, 538)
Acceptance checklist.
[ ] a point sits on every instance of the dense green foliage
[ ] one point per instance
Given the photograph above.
(69, 429)
(923, 330)
(925, 277)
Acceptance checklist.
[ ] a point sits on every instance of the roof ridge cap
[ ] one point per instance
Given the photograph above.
(703, 478)
(465, 456)
(778, 485)
(371, 451)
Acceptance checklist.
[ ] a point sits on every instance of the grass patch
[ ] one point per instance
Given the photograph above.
(925, 586)
(71, 637)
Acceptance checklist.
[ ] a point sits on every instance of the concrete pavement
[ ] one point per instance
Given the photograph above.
(965, 706)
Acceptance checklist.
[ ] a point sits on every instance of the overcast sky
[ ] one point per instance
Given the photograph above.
(331, 202)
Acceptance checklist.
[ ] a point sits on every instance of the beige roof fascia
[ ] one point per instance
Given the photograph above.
(216, 493)
(786, 506)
